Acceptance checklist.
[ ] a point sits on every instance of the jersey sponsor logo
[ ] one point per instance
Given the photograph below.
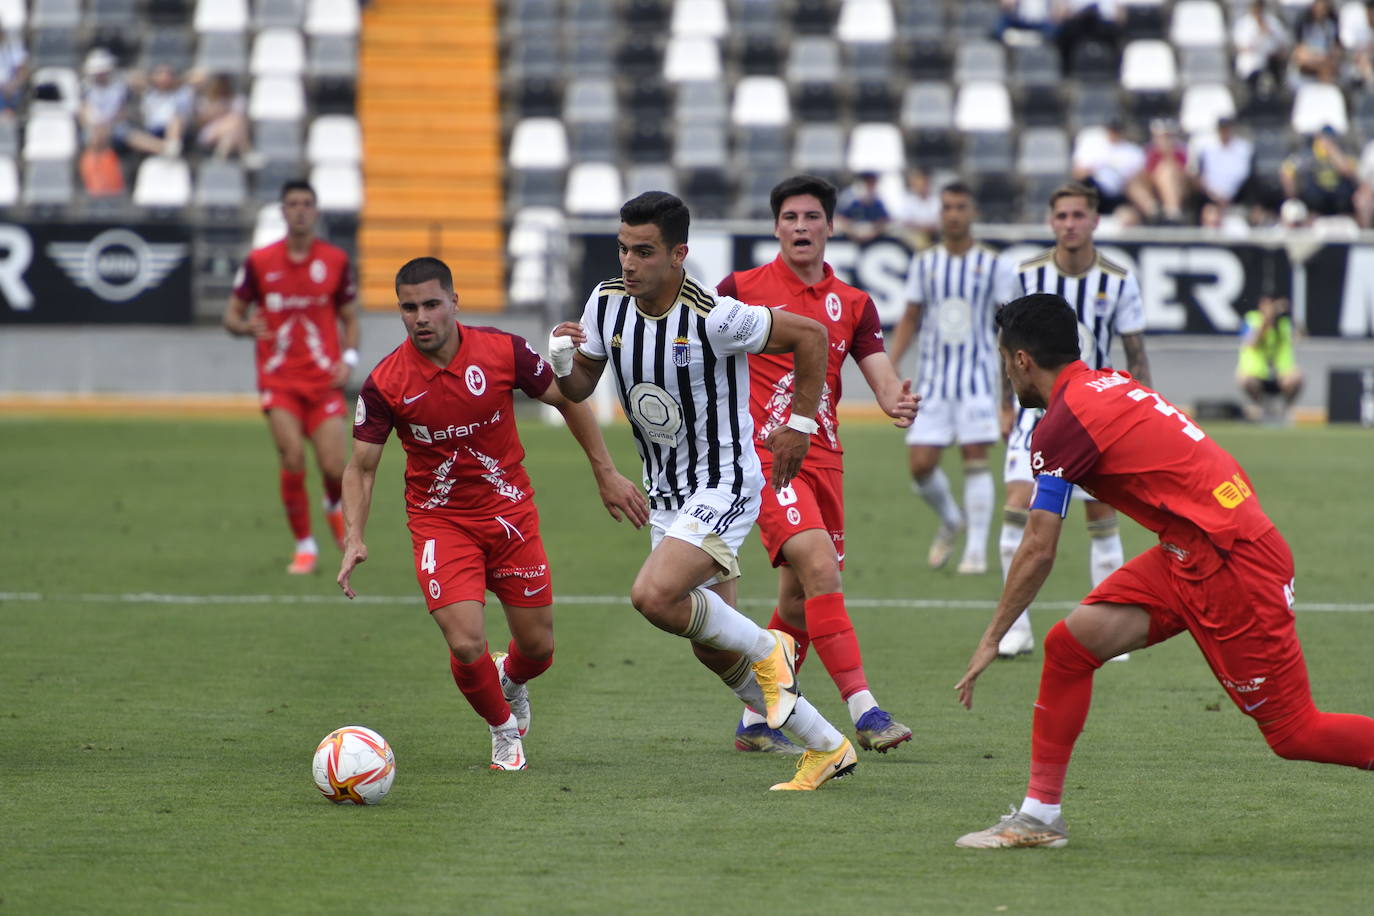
(832, 306)
(1233, 492)
(421, 433)
(955, 317)
(522, 572)
(655, 412)
(682, 352)
(118, 265)
(746, 327)
(704, 514)
(476, 380)
(415, 397)
(273, 275)
(452, 431)
(360, 413)
(1038, 466)
(1250, 686)
(318, 271)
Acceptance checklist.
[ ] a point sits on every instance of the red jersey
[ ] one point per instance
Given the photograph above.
(849, 317)
(300, 301)
(1131, 449)
(456, 423)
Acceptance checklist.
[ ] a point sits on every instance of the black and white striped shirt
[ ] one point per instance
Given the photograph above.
(683, 380)
(960, 295)
(1106, 297)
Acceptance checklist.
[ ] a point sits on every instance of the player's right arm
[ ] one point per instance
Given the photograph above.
(908, 326)
(358, 479)
(242, 320)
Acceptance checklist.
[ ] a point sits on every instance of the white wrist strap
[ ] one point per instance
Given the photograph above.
(350, 357)
(803, 424)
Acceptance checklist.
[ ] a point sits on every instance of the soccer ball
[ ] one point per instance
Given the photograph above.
(354, 764)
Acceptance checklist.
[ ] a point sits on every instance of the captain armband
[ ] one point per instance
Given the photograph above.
(1052, 494)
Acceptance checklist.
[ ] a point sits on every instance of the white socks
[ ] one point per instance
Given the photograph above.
(1007, 542)
(307, 545)
(1045, 814)
(860, 703)
(1106, 557)
(805, 724)
(978, 497)
(935, 491)
(714, 623)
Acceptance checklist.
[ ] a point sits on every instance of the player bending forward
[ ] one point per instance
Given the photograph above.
(802, 525)
(447, 391)
(678, 355)
(1221, 569)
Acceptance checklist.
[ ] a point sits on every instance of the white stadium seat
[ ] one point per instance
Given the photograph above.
(334, 140)
(594, 189)
(866, 22)
(691, 57)
(760, 101)
(50, 135)
(68, 89)
(276, 98)
(13, 15)
(162, 183)
(530, 230)
(1148, 65)
(221, 15)
(700, 18)
(270, 225)
(983, 106)
(332, 17)
(340, 187)
(278, 52)
(1318, 105)
(876, 148)
(1198, 24)
(539, 143)
(1203, 105)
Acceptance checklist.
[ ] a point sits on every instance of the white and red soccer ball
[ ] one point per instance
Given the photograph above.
(354, 764)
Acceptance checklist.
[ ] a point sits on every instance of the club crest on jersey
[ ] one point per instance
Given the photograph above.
(832, 306)
(682, 353)
(318, 271)
(1100, 303)
(360, 413)
(476, 379)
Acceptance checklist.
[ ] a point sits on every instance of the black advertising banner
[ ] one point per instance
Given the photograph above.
(1187, 287)
(61, 273)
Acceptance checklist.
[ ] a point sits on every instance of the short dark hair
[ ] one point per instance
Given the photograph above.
(1042, 324)
(297, 184)
(814, 185)
(1076, 189)
(662, 209)
(957, 187)
(422, 270)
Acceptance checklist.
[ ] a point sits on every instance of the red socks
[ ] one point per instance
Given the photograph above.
(297, 504)
(801, 636)
(333, 490)
(522, 668)
(1325, 737)
(1066, 692)
(832, 634)
(482, 687)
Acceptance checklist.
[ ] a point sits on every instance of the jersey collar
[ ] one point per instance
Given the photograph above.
(427, 368)
(793, 283)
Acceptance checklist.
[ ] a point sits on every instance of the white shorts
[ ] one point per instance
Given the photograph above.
(717, 521)
(1018, 468)
(943, 421)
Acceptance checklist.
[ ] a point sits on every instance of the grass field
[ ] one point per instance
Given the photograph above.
(163, 684)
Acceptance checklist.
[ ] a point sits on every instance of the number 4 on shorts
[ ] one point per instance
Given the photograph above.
(427, 557)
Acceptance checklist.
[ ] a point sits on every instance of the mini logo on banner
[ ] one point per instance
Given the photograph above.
(117, 265)
(682, 353)
(476, 379)
(832, 306)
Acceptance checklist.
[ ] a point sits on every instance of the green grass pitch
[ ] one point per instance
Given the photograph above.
(163, 684)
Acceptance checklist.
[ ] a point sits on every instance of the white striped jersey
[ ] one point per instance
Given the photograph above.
(960, 296)
(683, 379)
(1106, 297)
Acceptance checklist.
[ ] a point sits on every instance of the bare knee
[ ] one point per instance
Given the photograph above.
(466, 648)
(658, 605)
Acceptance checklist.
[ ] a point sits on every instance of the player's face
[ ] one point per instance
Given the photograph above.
(429, 313)
(1019, 375)
(1073, 222)
(956, 215)
(647, 265)
(298, 207)
(802, 228)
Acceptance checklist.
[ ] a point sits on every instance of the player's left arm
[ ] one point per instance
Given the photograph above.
(809, 345)
(621, 497)
(1130, 324)
(866, 346)
(358, 480)
(1030, 567)
(350, 329)
(1136, 361)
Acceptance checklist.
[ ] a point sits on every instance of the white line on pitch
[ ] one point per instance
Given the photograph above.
(895, 603)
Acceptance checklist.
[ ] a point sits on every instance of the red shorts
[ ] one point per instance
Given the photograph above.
(458, 559)
(1240, 616)
(311, 406)
(814, 499)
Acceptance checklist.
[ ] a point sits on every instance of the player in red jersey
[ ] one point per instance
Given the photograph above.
(447, 391)
(1221, 569)
(296, 297)
(802, 525)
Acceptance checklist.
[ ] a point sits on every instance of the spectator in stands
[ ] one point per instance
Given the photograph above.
(14, 72)
(860, 214)
(104, 102)
(1261, 44)
(222, 116)
(1317, 54)
(1161, 187)
(1222, 165)
(166, 107)
(1035, 16)
(1267, 367)
(1109, 164)
(1360, 47)
(1087, 21)
(1322, 176)
(919, 216)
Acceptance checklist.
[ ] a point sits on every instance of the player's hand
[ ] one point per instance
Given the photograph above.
(906, 408)
(563, 342)
(789, 448)
(1007, 416)
(338, 376)
(623, 499)
(355, 552)
(257, 326)
(984, 655)
(571, 329)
